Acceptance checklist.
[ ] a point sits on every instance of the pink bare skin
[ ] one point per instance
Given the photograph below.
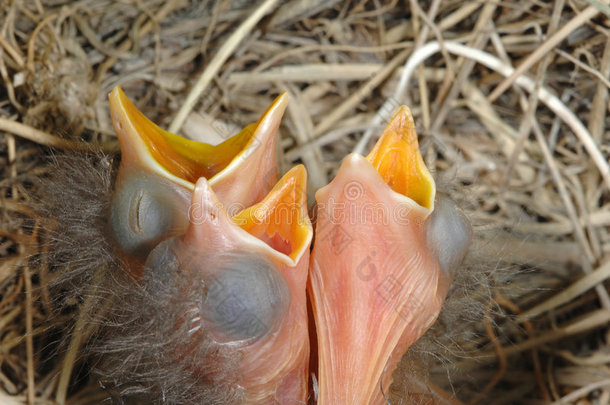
(381, 266)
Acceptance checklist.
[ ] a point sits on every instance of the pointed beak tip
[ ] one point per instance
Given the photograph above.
(276, 110)
(403, 117)
(202, 196)
(117, 98)
(404, 111)
(112, 95)
(300, 173)
(114, 101)
(283, 98)
(204, 206)
(121, 110)
(397, 158)
(353, 166)
(116, 90)
(202, 187)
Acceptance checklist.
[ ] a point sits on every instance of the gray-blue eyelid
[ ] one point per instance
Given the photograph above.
(448, 234)
(241, 296)
(246, 298)
(144, 211)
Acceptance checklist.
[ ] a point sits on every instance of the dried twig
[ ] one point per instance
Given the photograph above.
(549, 44)
(550, 100)
(216, 63)
(43, 138)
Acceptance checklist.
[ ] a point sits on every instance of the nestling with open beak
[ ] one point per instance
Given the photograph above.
(191, 262)
(385, 251)
(204, 271)
(243, 276)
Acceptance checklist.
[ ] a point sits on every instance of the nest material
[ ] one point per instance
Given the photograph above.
(536, 198)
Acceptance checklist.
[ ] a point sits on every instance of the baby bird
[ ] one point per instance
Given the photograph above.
(189, 261)
(204, 289)
(385, 252)
(245, 272)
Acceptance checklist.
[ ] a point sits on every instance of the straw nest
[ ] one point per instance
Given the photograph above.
(525, 154)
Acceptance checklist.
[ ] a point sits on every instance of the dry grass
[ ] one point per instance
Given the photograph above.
(536, 190)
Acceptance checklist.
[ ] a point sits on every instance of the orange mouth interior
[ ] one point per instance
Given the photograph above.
(182, 157)
(398, 161)
(281, 219)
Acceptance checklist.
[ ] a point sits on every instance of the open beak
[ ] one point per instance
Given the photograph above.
(381, 266)
(250, 274)
(159, 170)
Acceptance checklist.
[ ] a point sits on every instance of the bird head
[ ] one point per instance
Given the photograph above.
(159, 170)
